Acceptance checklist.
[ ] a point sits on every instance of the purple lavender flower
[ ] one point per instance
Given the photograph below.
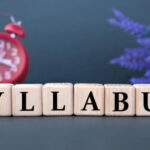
(140, 80)
(137, 58)
(128, 25)
(144, 42)
(119, 14)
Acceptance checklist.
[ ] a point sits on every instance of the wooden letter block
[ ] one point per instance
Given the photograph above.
(5, 99)
(142, 98)
(119, 100)
(27, 100)
(89, 99)
(57, 99)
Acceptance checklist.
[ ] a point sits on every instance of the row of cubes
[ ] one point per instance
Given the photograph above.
(55, 99)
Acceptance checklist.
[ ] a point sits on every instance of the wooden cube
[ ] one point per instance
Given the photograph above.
(57, 99)
(27, 100)
(89, 99)
(5, 99)
(119, 100)
(142, 98)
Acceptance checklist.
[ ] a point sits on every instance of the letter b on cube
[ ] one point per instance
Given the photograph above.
(119, 100)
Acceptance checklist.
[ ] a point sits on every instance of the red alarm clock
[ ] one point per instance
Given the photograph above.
(14, 60)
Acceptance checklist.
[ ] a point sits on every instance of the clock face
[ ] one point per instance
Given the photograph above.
(10, 60)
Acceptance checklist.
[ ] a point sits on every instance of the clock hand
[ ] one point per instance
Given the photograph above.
(1, 62)
(6, 62)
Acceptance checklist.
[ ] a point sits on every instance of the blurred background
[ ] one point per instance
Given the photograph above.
(71, 40)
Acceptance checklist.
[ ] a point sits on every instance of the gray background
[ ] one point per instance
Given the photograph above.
(71, 41)
(73, 133)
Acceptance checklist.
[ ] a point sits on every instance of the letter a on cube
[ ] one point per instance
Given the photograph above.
(89, 99)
